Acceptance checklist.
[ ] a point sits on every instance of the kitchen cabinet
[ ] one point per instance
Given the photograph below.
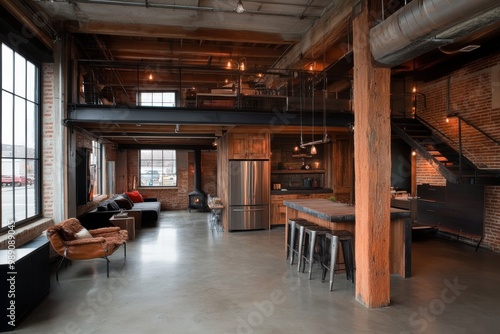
(278, 209)
(248, 146)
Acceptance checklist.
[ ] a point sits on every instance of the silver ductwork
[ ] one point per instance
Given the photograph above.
(424, 25)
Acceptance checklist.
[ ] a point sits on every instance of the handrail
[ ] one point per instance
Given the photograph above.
(449, 140)
(487, 135)
(480, 165)
(434, 129)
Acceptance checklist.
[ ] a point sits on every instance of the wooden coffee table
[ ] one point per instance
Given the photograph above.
(125, 223)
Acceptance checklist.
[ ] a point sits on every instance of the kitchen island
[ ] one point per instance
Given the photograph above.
(278, 210)
(334, 215)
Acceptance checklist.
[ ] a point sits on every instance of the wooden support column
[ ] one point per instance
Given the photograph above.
(372, 158)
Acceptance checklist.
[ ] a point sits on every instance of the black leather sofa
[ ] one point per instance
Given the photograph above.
(143, 212)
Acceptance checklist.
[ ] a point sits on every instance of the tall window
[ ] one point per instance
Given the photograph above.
(158, 168)
(96, 168)
(20, 132)
(157, 99)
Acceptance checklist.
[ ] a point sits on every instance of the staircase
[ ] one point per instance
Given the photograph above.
(453, 167)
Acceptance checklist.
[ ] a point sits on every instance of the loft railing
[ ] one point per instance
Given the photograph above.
(121, 84)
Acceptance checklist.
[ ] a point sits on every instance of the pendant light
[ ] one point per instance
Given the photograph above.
(313, 148)
(325, 138)
(301, 103)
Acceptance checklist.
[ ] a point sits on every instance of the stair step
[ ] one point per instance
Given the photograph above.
(416, 133)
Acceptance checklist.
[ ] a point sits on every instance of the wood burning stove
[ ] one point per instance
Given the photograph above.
(197, 198)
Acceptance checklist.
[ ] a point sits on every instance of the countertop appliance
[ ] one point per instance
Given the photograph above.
(249, 192)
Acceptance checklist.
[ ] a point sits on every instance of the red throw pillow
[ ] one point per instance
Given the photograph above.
(135, 196)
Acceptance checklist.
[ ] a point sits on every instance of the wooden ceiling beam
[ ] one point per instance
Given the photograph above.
(171, 47)
(161, 31)
(325, 32)
(192, 60)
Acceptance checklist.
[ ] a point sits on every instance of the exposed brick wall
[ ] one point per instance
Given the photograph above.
(48, 139)
(109, 153)
(426, 173)
(209, 172)
(176, 198)
(492, 218)
(473, 94)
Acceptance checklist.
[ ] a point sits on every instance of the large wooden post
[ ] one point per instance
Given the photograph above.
(372, 158)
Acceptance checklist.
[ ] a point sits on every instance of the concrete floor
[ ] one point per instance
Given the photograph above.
(180, 277)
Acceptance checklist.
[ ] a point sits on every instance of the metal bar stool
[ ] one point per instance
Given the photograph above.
(290, 241)
(296, 246)
(311, 240)
(346, 238)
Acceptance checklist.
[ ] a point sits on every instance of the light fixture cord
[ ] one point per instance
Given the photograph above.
(302, 92)
(325, 94)
(312, 107)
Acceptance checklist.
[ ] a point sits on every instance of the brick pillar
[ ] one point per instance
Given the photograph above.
(372, 150)
(48, 139)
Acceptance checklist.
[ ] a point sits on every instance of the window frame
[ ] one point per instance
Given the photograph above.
(154, 168)
(96, 154)
(142, 104)
(36, 158)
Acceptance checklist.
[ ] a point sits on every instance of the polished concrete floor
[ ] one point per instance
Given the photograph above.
(180, 277)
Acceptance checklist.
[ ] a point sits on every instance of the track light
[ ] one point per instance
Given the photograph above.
(239, 7)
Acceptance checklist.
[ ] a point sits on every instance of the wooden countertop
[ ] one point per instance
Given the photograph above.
(303, 191)
(333, 211)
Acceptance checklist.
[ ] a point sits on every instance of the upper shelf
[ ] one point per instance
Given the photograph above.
(298, 171)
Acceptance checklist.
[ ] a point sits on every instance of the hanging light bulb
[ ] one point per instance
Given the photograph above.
(313, 150)
(150, 76)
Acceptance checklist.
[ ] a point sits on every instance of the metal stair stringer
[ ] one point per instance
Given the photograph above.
(441, 168)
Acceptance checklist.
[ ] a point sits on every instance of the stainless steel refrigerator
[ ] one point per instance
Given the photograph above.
(249, 192)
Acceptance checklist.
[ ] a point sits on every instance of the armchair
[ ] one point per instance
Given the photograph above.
(73, 242)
